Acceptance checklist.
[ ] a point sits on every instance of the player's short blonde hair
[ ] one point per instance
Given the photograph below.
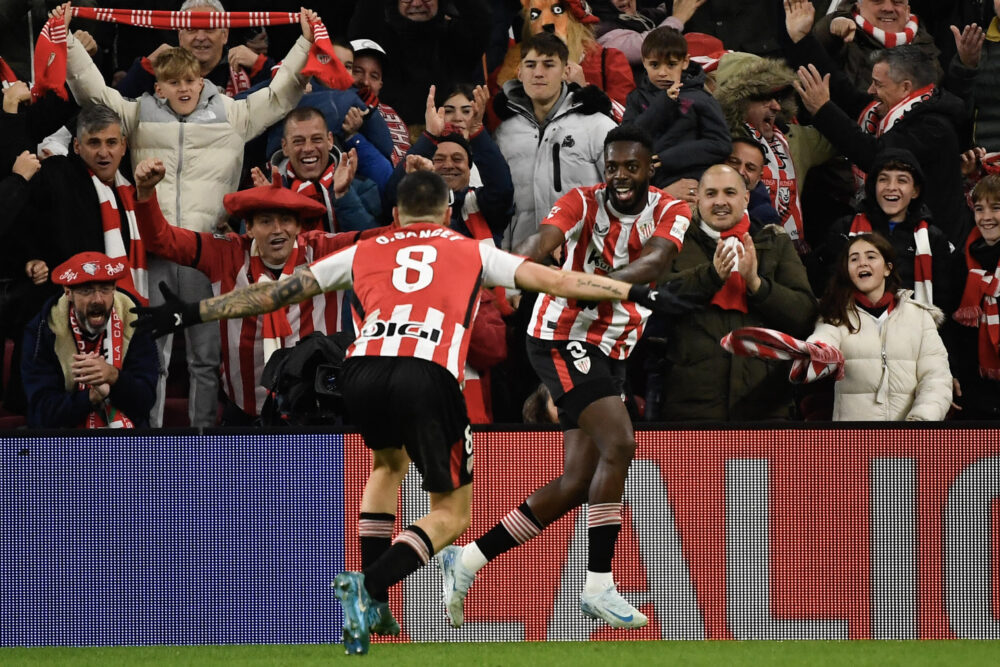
(176, 63)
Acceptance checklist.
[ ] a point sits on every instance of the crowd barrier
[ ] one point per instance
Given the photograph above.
(773, 532)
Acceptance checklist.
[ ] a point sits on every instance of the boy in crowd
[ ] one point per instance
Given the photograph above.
(670, 102)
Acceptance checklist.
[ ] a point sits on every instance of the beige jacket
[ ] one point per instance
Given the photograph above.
(202, 153)
(895, 368)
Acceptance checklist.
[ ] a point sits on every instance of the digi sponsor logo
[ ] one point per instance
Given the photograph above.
(381, 329)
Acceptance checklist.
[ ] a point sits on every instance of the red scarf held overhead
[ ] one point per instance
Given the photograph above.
(136, 281)
(50, 51)
(113, 334)
(274, 325)
(7, 76)
(923, 286)
(733, 294)
(889, 39)
(978, 308)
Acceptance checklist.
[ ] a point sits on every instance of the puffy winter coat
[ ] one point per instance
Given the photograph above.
(896, 367)
(547, 161)
(202, 153)
(703, 381)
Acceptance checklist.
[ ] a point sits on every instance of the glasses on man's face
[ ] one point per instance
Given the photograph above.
(90, 290)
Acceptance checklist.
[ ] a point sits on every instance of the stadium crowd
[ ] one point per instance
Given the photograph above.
(860, 208)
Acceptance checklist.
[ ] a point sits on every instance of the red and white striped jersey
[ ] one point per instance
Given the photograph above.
(418, 289)
(225, 259)
(599, 241)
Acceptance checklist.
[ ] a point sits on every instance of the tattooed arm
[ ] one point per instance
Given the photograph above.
(584, 286)
(261, 297)
(569, 284)
(175, 314)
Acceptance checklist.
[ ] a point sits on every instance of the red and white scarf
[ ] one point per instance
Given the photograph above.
(923, 286)
(778, 175)
(978, 308)
(274, 325)
(810, 361)
(870, 122)
(733, 294)
(136, 282)
(889, 39)
(7, 76)
(320, 194)
(50, 60)
(239, 81)
(398, 130)
(114, 330)
(50, 51)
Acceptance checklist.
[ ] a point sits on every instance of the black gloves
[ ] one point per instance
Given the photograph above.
(664, 299)
(172, 316)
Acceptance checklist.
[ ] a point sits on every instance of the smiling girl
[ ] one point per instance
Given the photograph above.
(896, 366)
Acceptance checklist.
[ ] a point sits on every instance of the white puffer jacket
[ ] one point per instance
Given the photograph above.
(896, 367)
(202, 153)
(547, 161)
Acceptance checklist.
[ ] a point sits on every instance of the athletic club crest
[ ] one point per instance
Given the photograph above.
(582, 365)
(90, 268)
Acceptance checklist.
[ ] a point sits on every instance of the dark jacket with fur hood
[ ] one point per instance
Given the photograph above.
(744, 77)
(549, 158)
(689, 133)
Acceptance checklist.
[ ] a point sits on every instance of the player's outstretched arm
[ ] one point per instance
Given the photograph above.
(587, 287)
(254, 299)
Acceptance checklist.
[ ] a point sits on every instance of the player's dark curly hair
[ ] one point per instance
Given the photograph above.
(631, 133)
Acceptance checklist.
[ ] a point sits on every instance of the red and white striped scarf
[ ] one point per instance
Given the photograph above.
(7, 76)
(978, 308)
(238, 82)
(923, 286)
(50, 60)
(810, 361)
(398, 130)
(107, 416)
(136, 281)
(320, 194)
(50, 51)
(870, 122)
(889, 39)
(733, 294)
(778, 175)
(274, 325)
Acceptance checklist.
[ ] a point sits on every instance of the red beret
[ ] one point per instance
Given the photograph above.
(581, 11)
(271, 198)
(90, 267)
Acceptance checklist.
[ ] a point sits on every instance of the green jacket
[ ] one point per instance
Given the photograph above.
(703, 381)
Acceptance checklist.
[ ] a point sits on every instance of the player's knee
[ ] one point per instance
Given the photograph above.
(619, 451)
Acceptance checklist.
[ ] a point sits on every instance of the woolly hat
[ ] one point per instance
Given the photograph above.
(90, 267)
(455, 136)
(271, 197)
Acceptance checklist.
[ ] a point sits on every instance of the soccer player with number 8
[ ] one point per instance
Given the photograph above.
(417, 291)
